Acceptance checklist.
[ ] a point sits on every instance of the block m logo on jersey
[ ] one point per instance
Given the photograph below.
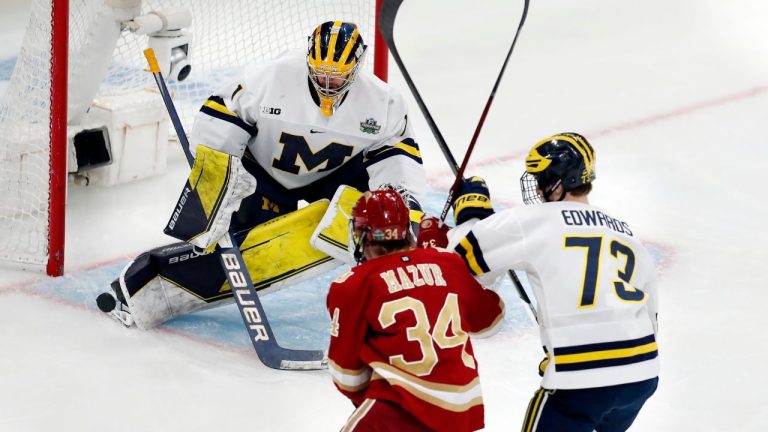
(295, 147)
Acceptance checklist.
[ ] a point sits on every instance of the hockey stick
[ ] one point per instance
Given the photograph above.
(389, 10)
(247, 299)
(460, 172)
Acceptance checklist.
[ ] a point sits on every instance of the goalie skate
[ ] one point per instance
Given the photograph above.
(113, 305)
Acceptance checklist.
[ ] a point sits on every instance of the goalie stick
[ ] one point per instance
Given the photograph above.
(247, 299)
(389, 10)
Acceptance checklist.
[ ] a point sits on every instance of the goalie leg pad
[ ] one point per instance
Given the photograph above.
(217, 184)
(161, 300)
(170, 281)
(278, 252)
(174, 280)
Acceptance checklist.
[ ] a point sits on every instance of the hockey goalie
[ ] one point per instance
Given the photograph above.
(298, 128)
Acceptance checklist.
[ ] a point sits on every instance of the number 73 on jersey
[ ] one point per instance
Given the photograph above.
(621, 255)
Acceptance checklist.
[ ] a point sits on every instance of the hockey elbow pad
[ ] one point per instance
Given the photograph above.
(216, 186)
(473, 200)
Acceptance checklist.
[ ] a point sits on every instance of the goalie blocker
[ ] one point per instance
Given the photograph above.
(217, 184)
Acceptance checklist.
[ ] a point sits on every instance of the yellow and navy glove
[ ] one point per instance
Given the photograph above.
(473, 200)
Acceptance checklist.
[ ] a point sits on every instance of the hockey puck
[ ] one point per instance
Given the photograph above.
(106, 302)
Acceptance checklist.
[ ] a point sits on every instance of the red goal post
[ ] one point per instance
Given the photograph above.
(53, 74)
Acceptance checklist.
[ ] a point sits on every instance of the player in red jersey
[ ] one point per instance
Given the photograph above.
(400, 325)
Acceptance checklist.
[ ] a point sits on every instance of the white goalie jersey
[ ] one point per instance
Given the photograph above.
(594, 285)
(271, 112)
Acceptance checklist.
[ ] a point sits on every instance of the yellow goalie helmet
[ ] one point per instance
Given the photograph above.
(335, 53)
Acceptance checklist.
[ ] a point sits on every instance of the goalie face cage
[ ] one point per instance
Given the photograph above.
(59, 45)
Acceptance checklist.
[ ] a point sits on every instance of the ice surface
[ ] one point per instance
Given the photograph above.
(673, 94)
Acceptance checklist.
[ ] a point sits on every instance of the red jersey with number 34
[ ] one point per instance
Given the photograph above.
(399, 332)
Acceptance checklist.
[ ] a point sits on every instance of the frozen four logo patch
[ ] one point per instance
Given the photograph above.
(370, 126)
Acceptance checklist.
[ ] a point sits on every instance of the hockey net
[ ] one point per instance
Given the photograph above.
(226, 35)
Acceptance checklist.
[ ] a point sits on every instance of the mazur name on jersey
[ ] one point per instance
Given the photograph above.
(412, 276)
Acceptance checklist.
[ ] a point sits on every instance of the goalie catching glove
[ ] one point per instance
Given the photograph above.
(216, 186)
(473, 200)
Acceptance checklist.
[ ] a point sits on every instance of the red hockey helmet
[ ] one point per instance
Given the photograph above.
(381, 216)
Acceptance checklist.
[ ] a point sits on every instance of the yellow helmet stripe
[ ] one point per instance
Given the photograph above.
(317, 44)
(577, 145)
(583, 149)
(332, 42)
(587, 150)
(348, 48)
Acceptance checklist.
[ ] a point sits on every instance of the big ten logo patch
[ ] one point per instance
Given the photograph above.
(270, 110)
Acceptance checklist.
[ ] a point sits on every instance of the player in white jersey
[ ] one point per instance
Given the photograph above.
(593, 281)
(301, 126)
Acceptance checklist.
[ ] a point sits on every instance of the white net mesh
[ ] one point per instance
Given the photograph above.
(226, 35)
(24, 155)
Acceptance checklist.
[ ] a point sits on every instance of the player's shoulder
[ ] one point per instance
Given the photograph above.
(343, 287)
(349, 277)
(378, 88)
(504, 219)
(539, 214)
(443, 257)
(371, 80)
(354, 276)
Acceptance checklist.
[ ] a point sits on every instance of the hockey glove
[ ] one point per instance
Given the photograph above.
(473, 200)
(432, 233)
